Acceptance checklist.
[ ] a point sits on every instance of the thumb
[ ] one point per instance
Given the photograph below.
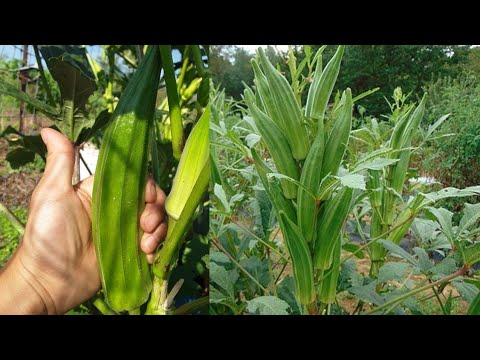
(60, 159)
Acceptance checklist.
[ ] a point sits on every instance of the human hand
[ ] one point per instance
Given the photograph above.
(55, 267)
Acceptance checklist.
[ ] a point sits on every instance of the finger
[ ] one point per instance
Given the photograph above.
(86, 186)
(150, 190)
(153, 193)
(150, 258)
(150, 241)
(60, 159)
(152, 216)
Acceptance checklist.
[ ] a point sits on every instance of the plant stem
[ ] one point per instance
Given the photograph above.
(192, 306)
(139, 49)
(321, 309)
(76, 168)
(197, 58)
(460, 272)
(103, 307)
(157, 297)
(176, 124)
(261, 240)
(43, 77)
(155, 157)
(444, 311)
(183, 70)
(85, 164)
(312, 308)
(222, 249)
(128, 60)
(363, 247)
(280, 273)
(16, 223)
(134, 312)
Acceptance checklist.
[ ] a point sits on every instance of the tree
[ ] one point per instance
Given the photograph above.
(411, 67)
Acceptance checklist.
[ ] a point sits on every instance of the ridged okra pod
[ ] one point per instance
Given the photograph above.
(338, 138)
(288, 109)
(277, 145)
(119, 189)
(322, 87)
(330, 221)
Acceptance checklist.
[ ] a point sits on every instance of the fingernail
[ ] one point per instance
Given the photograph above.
(44, 135)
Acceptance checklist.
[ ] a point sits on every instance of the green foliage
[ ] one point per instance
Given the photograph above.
(454, 160)
(230, 67)
(9, 237)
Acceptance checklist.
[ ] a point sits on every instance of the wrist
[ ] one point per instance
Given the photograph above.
(21, 293)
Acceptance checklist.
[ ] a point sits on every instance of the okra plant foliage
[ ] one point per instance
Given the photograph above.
(310, 217)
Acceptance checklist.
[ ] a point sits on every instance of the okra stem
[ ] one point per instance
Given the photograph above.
(395, 301)
(176, 124)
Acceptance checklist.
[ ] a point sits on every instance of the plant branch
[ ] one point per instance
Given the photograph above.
(16, 223)
(379, 237)
(222, 249)
(395, 301)
(85, 164)
(261, 240)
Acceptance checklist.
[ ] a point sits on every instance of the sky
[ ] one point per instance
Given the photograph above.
(252, 48)
(8, 52)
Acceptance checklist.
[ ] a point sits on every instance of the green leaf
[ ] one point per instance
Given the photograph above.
(71, 69)
(353, 181)
(474, 308)
(265, 207)
(326, 187)
(470, 218)
(452, 192)
(444, 268)
(471, 253)
(397, 250)
(223, 278)
(252, 140)
(267, 305)
(19, 157)
(13, 91)
(35, 144)
(424, 229)
(220, 194)
(466, 290)
(367, 293)
(286, 292)
(217, 297)
(424, 262)
(376, 164)
(444, 217)
(392, 271)
(100, 123)
(220, 258)
(206, 261)
(258, 269)
(433, 127)
(349, 272)
(352, 248)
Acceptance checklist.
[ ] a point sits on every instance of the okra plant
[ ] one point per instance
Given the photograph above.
(299, 156)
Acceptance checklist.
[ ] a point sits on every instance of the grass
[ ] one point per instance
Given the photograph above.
(9, 237)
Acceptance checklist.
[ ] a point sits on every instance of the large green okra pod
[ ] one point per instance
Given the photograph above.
(119, 189)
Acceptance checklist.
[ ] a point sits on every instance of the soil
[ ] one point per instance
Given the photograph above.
(16, 187)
